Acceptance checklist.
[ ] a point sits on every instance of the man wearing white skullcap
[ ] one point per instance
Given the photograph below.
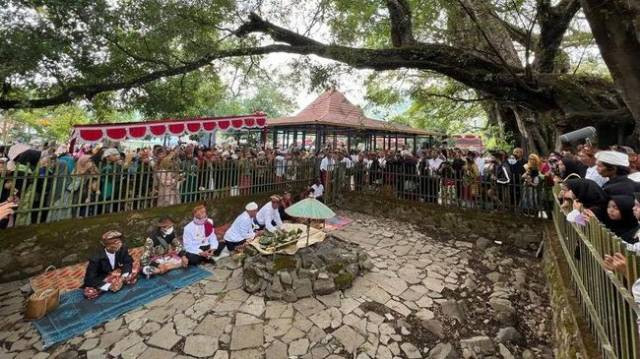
(615, 166)
(241, 230)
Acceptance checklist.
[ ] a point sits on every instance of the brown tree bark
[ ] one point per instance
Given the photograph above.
(615, 25)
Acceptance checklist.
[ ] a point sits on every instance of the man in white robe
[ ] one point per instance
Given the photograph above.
(268, 216)
(199, 237)
(242, 229)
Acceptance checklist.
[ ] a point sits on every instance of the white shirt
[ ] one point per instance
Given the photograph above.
(327, 164)
(593, 175)
(193, 238)
(280, 165)
(347, 161)
(434, 163)
(480, 163)
(318, 190)
(112, 262)
(112, 259)
(241, 229)
(268, 214)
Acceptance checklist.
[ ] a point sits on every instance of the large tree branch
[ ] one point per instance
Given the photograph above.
(401, 28)
(543, 93)
(517, 33)
(70, 93)
(458, 64)
(554, 22)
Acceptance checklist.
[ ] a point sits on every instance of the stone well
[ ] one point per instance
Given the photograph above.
(320, 269)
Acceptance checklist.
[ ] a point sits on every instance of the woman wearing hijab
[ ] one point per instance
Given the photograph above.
(530, 179)
(167, 178)
(589, 194)
(85, 186)
(79, 179)
(621, 219)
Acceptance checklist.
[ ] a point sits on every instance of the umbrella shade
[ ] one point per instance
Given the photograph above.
(310, 208)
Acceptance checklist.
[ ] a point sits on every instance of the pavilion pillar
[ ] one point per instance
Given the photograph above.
(304, 138)
(295, 137)
(348, 141)
(264, 135)
(415, 144)
(375, 142)
(396, 141)
(318, 139)
(274, 140)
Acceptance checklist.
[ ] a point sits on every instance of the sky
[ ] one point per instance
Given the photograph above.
(298, 19)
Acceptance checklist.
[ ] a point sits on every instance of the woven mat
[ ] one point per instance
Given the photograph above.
(72, 277)
(315, 236)
(76, 315)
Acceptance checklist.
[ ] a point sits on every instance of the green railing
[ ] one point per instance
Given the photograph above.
(605, 297)
(483, 193)
(49, 194)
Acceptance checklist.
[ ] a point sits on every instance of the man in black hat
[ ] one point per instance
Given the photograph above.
(110, 268)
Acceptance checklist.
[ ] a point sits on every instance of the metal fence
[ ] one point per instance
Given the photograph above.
(457, 191)
(49, 194)
(604, 297)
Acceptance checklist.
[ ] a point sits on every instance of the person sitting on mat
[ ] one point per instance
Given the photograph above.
(162, 250)
(199, 238)
(241, 230)
(110, 268)
(268, 216)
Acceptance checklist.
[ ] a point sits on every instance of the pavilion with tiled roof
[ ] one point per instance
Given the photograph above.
(332, 116)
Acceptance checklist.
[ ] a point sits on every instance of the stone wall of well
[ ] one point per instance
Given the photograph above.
(520, 231)
(26, 251)
(572, 338)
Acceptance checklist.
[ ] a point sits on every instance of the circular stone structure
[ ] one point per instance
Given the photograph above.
(320, 269)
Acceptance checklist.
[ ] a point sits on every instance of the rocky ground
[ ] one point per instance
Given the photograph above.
(427, 296)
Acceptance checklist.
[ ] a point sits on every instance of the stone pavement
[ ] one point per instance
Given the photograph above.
(425, 298)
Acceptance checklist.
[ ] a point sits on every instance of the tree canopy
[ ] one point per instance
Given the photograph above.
(528, 64)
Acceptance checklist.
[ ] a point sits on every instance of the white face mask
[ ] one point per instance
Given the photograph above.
(512, 161)
(167, 230)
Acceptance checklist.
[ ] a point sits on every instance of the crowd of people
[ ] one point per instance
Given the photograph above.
(51, 183)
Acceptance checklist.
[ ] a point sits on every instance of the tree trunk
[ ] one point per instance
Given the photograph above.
(615, 25)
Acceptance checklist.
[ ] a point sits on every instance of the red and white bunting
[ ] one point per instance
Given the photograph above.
(172, 126)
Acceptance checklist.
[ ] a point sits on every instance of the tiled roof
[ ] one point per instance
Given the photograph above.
(333, 108)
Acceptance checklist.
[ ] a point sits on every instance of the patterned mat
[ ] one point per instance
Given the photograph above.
(337, 222)
(76, 315)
